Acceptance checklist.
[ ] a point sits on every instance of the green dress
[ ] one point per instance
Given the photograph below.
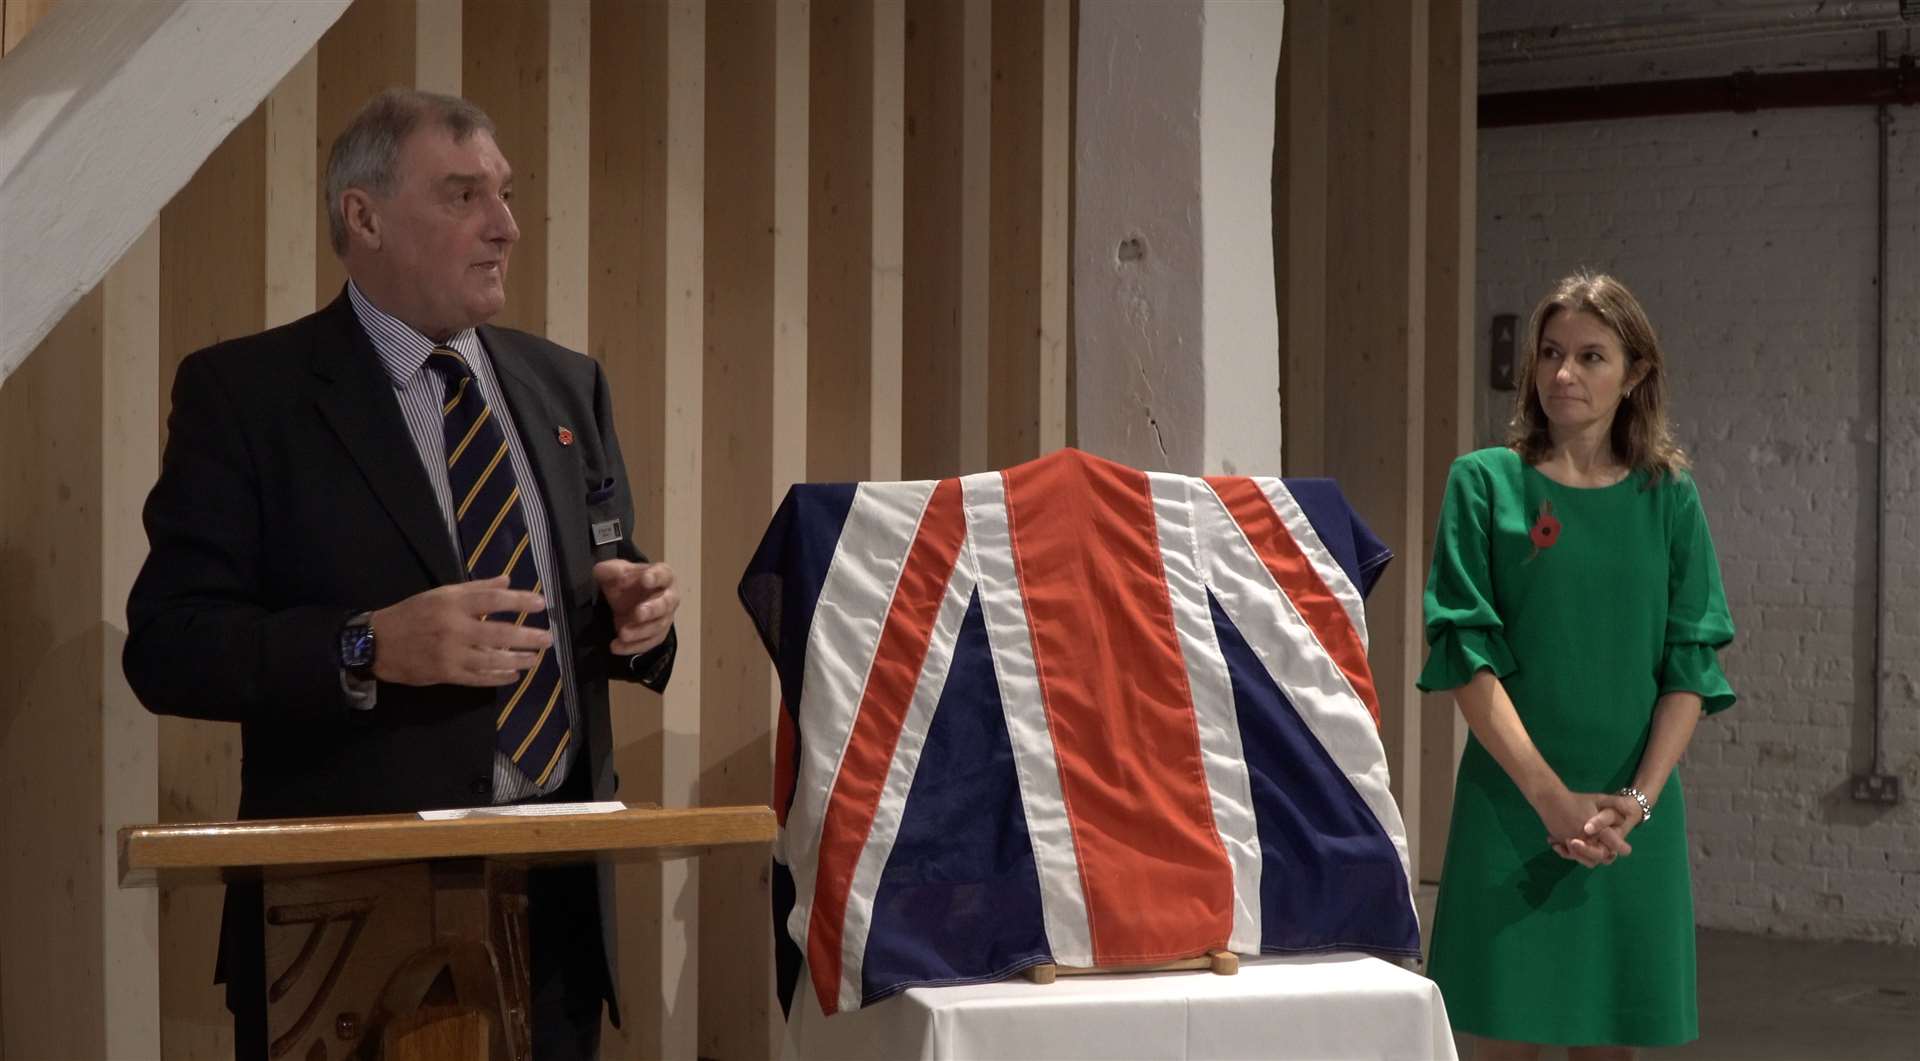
(1588, 604)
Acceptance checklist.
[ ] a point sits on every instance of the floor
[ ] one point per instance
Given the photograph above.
(1769, 999)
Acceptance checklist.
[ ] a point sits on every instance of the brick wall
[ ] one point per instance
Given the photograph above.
(1751, 240)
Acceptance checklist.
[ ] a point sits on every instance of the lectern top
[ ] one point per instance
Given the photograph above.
(185, 852)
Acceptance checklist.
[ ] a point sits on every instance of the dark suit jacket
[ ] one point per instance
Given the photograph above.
(290, 497)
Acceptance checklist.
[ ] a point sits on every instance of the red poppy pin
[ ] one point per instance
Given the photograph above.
(566, 436)
(1546, 529)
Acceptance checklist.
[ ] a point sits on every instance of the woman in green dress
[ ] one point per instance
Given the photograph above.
(1574, 611)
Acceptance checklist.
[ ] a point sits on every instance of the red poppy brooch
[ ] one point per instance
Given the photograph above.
(1546, 529)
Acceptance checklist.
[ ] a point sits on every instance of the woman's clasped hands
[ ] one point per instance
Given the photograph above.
(1589, 827)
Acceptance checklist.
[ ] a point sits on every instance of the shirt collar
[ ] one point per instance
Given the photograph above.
(402, 349)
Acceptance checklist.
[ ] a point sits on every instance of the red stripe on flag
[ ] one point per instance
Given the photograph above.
(876, 729)
(1303, 585)
(1157, 881)
(785, 760)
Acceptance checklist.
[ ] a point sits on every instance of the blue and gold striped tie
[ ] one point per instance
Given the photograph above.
(532, 723)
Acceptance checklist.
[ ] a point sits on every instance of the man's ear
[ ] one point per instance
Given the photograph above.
(363, 221)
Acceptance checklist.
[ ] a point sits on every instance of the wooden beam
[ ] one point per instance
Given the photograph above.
(1448, 387)
(1376, 320)
(371, 48)
(116, 109)
(506, 63)
(1018, 154)
(213, 279)
(1300, 236)
(738, 1015)
(935, 174)
(644, 281)
(293, 233)
(569, 161)
(840, 242)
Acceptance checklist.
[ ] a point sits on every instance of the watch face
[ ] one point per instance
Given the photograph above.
(356, 647)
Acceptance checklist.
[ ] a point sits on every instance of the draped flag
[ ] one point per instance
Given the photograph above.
(1076, 713)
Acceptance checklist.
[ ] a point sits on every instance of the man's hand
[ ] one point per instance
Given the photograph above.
(443, 637)
(643, 599)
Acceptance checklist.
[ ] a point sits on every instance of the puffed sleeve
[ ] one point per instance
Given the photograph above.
(1464, 632)
(1698, 623)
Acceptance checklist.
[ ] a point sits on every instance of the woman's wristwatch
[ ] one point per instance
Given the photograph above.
(1646, 809)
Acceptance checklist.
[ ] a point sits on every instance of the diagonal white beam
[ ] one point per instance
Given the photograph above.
(106, 110)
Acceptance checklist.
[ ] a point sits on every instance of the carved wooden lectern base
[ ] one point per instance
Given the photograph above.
(405, 935)
(423, 959)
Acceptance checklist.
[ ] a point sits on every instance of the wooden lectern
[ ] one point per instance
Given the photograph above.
(405, 936)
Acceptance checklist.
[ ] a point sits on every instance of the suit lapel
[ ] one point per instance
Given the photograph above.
(559, 474)
(356, 397)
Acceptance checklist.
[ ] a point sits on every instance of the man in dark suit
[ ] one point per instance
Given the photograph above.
(391, 542)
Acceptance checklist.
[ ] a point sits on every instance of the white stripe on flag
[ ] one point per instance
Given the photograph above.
(1063, 901)
(1308, 539)
(855, 598)
(900, 773)
(1211, 690)
(1298, 663)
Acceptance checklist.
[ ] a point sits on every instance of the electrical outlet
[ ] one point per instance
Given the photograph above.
(1876, 788)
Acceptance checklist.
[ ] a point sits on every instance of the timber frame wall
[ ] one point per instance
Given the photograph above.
(808, 240)
(744, 209)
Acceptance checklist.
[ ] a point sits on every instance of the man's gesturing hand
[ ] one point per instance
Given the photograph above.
(442, 636)
(643, 599)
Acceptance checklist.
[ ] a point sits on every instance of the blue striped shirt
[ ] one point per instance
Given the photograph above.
(403, 353)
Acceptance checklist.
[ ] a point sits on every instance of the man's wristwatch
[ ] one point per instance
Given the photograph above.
(1646, 809)
(356, 646)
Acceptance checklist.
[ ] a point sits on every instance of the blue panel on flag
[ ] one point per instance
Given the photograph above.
(782, 583)
(1354, 547)
(960, 898)
(1330, 878)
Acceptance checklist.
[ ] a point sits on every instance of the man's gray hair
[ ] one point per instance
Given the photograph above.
(367, 153)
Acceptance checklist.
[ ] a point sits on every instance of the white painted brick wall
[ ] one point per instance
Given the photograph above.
(1751, 240)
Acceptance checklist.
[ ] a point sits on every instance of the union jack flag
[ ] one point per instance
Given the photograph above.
(1076, 713)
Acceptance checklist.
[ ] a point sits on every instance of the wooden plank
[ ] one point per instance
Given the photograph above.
(736, 741)
(1055, 250)
(1014, 307)
(933, 364)
(371, 48)
(1300, 236)
(682, 460)
(569, 54)
(1453, 77)
(440, 44)
(1376, 315)
(840, 242)
(888, 227)
(19, 16)
(506, 67)
(626, 333)
(976, 220)
(50, 684)
(129, 752)
(791, 196)
(292, 178)
(213, 269)
(174, 851)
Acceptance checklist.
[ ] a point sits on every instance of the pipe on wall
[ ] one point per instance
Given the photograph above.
(1744, 24)
(1742, 92)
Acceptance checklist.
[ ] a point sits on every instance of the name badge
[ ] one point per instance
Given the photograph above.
(604, 533)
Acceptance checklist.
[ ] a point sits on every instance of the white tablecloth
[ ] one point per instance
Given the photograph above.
(1321, 1007)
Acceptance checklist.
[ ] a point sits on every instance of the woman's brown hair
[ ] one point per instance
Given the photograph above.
(1642, 438)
